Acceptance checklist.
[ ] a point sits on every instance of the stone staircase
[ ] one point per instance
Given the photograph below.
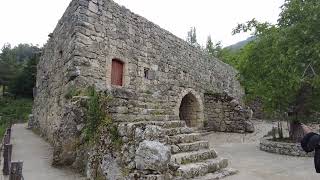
(191, 155)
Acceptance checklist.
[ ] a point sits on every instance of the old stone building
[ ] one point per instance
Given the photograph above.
(162, 89)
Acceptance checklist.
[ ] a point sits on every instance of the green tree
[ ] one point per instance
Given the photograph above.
(8, 66)
(24, 52)
(281, 66)
(13, 62)
(192, 37)
(214, 50)
(23, 84)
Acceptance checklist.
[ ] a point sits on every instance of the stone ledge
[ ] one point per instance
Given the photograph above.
(291, 149)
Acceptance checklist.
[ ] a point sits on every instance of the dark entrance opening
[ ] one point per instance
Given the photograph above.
(189, 110)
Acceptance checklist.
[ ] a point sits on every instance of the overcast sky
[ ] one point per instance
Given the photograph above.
(30, 21)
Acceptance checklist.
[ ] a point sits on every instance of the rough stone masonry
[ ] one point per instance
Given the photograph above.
(161, 88)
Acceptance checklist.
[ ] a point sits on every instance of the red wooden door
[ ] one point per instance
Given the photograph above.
(117, 72)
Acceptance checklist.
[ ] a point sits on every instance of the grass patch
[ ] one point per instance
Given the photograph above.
(3, 128)
(13, 111)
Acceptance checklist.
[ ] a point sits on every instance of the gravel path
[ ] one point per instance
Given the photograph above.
(253, 164)
(36, 155)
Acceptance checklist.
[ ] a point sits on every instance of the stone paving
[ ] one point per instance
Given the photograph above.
(253, 164)
(36, 155)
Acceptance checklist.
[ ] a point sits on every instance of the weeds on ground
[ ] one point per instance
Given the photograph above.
(13, 111)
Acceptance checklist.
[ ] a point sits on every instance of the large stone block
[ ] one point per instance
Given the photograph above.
(152, 155)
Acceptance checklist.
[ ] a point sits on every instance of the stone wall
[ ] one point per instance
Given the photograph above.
(226, 114)
(55, 71)
(109, 31)
(291, 149)
(79, 54)
(92, 33)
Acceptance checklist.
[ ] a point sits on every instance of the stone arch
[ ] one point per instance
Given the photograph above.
(190, 108)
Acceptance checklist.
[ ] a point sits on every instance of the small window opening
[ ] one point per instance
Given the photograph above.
(146, 73)
(60, 53)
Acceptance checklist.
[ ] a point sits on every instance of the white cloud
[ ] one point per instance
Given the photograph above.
(30, 21)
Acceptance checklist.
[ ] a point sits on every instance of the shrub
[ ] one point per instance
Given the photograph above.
(13, 111)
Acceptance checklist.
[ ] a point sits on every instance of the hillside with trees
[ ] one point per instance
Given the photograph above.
(282, 65)
(18, 67)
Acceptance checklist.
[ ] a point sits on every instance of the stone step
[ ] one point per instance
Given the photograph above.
(187, 147)
(155, 111)
(183, 138)
(179, 130)
(168, 124)
(161, 123)
(194, 156)
(193, 170)
(152, 177)
(218, 174)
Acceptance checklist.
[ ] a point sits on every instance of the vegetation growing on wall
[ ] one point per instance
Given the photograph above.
(96, 114)
(97, 117)
(98, 125)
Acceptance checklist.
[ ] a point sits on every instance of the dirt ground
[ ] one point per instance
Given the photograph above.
(243, 152)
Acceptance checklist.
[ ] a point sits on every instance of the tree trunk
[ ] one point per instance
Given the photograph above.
(280, 130)
(296, 132)
(3, 90)
(301, 111)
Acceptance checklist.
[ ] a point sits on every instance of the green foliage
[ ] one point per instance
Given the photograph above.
(13, 111)
(97, 117)
(18, 69)
(282, 64)
(214, 50)
(212, 93)
(3, 128)
(24, 82)
(72, 92)
(125, 172)
(95, 113)
(8, 65)
(192, 37)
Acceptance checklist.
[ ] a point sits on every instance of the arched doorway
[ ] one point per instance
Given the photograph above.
(190, 111)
